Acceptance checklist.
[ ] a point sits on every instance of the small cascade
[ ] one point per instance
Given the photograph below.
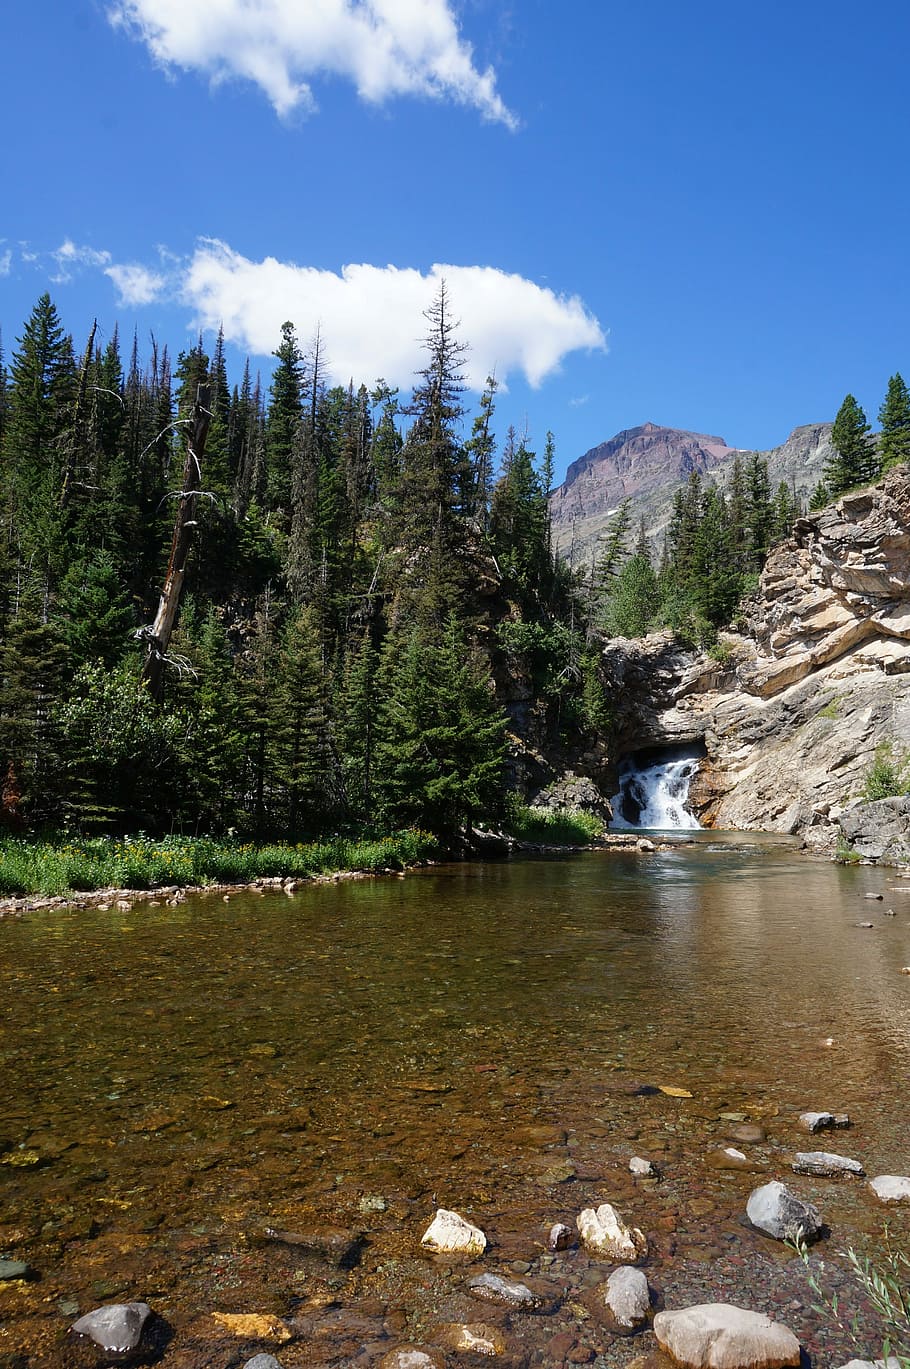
(653, 793)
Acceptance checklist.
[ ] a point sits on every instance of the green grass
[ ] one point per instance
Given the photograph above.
(75, 865)
(554, 826)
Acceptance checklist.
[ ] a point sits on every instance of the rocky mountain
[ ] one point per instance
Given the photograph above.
(790, 719)
(649, 463)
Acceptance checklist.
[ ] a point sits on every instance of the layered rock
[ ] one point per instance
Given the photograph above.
(811, 687)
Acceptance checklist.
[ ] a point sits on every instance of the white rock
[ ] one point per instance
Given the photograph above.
(826, 1164)
(627, 1296)
(642, 1168)
(493, 1288)
(891, 1188)
(605, 1233)
(560, 1237)
(263, 1362)
(781, 1214)
(412, 1357)
(450, 1234)
(721, 1336)
(892, 1362)
(816, 1121)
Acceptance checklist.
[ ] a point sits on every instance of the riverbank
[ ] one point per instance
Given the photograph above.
(42, 875)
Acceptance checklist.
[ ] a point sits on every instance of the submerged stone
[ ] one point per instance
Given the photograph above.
(493, 1288)
(891, 1188)
(825, 1164)
(627, 1298)
(472, 1338)
(450, 1234)
(605, 1233)
(117, 1328)
(14, 1269)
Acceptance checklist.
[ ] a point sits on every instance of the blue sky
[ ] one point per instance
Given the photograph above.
(694, 214)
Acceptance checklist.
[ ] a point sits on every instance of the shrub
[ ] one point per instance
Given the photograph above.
(888, 775)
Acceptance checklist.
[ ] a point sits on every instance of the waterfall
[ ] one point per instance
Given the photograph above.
(653, 793)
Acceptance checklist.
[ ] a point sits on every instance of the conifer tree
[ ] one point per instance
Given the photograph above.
(894, 416)
(854, 461)
(285, 411)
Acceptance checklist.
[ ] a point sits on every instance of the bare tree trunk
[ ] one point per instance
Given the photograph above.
(157, 637)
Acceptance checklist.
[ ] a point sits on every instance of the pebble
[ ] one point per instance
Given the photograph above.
(560, 1237)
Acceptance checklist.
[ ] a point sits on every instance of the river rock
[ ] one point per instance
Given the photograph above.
(721, 1336)
(748, 1134)
(781, 1214)
(627, 1298)
(262, 1362)
(116, 1328)
(891, 1188)
(818, 1121)
(14, 1269)
(560, 1236)
(892, 1362)
(412, 1357)
(728, 1157)
(605, 1233)
(450, 1234)
(253, 1326)
(472, 1338)
(492, 1288)
(825, 1164)
(642, 1169)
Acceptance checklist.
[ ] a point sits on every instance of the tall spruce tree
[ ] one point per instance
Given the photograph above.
(894, 416)
(854, 461)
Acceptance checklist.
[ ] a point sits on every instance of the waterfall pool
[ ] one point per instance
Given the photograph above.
(178, 1083)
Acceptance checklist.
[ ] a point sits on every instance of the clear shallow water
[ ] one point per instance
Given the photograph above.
(474, 1037)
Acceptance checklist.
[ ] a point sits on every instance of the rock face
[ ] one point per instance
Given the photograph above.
(606, 1234)
(648, 464)
(781, 1214)
(117, 1328)
(721, 1336)
(809, 688)
(450, 1234)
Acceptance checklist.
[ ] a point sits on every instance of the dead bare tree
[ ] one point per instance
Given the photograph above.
(157, 637)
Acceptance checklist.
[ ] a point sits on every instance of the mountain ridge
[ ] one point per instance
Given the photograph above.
(648, 463)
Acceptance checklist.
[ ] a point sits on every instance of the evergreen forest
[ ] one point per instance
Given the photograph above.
(290, 608)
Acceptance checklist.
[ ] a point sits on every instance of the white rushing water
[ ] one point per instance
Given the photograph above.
(654, 794)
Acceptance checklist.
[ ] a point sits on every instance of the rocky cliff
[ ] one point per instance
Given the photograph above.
(790, 719)
(648, 464)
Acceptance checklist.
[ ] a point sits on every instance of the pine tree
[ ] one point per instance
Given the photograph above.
(96, 621)
(285, 412)
(441, 746)
(300, 734)
(894, 416)
(854, 462)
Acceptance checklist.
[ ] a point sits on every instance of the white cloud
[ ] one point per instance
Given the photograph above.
(386, 47)
(136, 285)
(371, 317)
(6, 262)
(70, 258)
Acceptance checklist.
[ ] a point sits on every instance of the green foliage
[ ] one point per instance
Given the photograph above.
(553, 826)
(137, 862)
(845, 854)
(831, 709)
(888, 775)
(894, 416)
(854, 461)
(881, 1280)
